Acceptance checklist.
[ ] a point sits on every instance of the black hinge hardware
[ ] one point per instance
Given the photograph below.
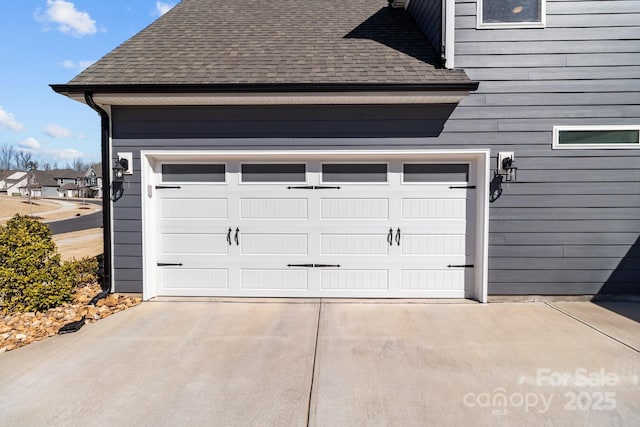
(461, 266)
(472, 187)
(168, 187)
(314, 265)
(169, 264)
(313, 187)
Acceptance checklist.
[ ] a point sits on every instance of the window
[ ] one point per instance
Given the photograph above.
(185, 172)
(596, 137)
(511, 13)
(354, 172)
(274, 172)
(432, 172)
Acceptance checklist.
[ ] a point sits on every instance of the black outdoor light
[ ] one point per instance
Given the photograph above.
(119, 168)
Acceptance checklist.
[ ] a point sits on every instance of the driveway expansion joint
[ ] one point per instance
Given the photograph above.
(558, 309)
(313, 365)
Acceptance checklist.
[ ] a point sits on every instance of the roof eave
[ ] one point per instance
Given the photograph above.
(271, 94)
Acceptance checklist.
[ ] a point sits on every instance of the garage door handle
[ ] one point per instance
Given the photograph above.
(229, 236)
(168, 187)
(301, 265)
(169, 264)
(390, 237)
(461, 266)
(235, 238)
(398, 237)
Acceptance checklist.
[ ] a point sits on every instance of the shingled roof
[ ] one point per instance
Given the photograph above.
(215, 42)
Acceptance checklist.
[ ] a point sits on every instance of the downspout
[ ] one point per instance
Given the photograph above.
(106, 197)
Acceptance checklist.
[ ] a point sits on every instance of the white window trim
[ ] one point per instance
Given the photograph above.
(557, 146)
(505, 25)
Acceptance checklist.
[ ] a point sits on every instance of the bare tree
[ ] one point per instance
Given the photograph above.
(24, 160)
(45, 166)
(6, 156)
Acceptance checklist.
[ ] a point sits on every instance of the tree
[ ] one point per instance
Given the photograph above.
(7, 153)
(25, 161)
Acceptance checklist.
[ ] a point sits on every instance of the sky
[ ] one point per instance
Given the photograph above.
(49, 42)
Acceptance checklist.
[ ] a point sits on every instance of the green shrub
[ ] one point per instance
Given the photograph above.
(85, 270)
(32, 278)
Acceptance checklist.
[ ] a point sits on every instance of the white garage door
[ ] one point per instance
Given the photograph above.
(314, 228)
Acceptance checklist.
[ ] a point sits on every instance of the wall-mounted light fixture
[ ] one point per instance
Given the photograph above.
(507, 166)
(119, 168)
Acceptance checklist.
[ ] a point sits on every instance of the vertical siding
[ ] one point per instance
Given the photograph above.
(428, 16)
(571, 223)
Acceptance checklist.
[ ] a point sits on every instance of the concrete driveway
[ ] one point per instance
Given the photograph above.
(330, 363)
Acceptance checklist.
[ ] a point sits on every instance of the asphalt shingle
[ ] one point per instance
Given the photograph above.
(269, 42)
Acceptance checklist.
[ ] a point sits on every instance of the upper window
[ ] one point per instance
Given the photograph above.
(511, 13)
(273, 172)
(354, 172)
(185, 172)
(594, 137)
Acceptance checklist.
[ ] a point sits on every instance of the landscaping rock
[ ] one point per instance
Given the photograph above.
(20, 329)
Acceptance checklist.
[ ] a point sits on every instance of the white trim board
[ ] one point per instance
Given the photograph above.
(480, 158)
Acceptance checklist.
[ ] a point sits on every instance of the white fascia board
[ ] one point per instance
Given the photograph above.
(449, 31)
(328, 98)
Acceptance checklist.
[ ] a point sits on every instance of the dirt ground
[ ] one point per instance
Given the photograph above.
(9, 206)
(79, 244)
(45, 209)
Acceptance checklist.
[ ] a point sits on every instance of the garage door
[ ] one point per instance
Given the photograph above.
(314, 228)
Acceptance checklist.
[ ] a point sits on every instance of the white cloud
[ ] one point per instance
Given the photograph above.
(80, 65)
(57, 131)
(69, 19)
(29, 144)
(66, 154)
(8, 120)
(162, 7)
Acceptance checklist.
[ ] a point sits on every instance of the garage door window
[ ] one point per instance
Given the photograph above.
(273, 172)
(354, 172)
(432, 172)
(193, 172)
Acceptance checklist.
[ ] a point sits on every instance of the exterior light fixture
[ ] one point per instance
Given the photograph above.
(119, 168)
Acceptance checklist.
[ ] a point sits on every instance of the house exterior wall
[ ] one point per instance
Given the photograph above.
(570, 224)
(428, 15)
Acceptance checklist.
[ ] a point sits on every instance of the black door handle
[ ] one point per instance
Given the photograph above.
(235, 238)
(390, 237)
(398, 237)
(229, 236)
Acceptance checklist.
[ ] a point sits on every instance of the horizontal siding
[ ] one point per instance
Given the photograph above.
(571, 222)
(428, 16)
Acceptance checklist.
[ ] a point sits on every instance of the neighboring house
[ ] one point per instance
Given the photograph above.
(92, 182)
(313, 148)
(54, 183)
(10, 180)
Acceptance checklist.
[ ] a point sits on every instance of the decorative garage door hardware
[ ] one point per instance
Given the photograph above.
(471, 187)
(390, 237)
(236, 237)
(461, 266)
(313, 187)
(169, 264)
(314, 265)
(168, 187)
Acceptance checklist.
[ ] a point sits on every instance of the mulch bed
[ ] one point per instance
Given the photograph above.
(20, 329)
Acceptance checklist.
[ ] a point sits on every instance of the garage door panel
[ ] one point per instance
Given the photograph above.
(354, 208)
(354, 279)
(427, 208)
(274, 244)
(274, 279)
(354, 244)
(433, 279)
(193, 243)
(193, 208)
(273, 208)
(193, 278)
(433, 244)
